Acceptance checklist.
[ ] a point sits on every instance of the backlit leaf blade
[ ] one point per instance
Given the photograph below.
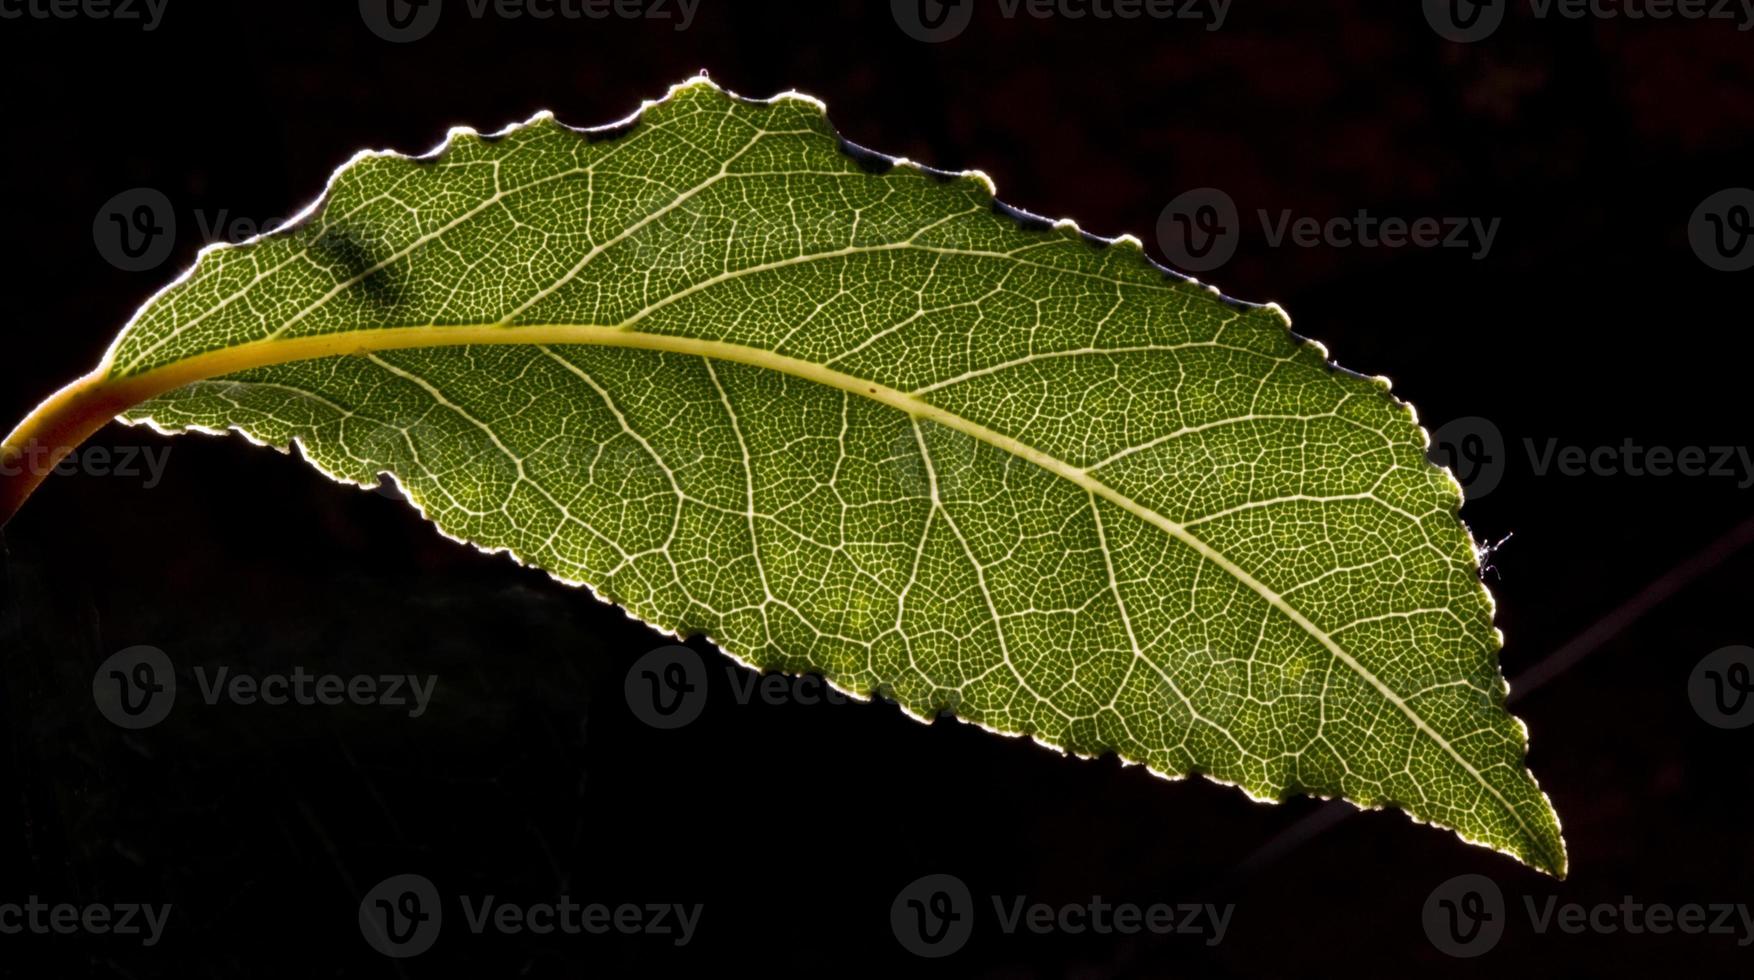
(855, 418)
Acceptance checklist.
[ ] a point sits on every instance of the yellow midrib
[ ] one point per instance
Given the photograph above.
(264, 353)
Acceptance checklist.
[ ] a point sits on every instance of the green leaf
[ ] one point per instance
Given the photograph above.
(847, 415)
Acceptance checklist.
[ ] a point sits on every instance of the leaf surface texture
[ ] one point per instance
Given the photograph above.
(850, 416)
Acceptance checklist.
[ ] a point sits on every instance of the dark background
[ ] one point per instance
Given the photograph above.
(1592, 321)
